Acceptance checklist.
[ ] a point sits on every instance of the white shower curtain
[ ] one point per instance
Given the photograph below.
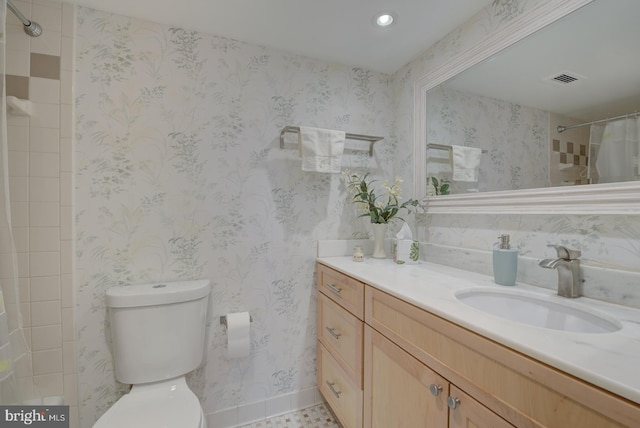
(595, 139)
(617, 158)
(17, 385)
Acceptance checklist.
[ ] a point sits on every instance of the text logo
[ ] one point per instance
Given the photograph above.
(34, 416)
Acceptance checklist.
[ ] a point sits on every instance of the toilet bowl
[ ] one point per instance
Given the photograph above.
(158, 336)
(167, 404)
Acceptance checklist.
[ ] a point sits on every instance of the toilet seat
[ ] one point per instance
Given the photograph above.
(167, 404)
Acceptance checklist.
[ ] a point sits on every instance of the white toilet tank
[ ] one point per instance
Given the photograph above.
(157, 330)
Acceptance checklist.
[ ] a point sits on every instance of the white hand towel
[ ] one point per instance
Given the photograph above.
(321, 149)
(465, 162)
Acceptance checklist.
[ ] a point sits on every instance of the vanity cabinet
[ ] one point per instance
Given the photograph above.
(340, 336)
(394, 364)
(509, 385)
(400, 391)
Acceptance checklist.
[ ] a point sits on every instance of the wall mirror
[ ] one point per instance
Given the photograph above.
(565, 63)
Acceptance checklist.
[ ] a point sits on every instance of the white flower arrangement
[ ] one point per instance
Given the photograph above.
(379, 209)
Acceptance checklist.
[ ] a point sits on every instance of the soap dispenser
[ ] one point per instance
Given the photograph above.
(505, 262)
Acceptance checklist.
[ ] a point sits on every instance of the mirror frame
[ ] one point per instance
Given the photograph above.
(610, 198)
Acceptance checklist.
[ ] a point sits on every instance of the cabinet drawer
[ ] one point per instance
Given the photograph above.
(516, 387)
(341, 333)
(347, 292)
(340, 391)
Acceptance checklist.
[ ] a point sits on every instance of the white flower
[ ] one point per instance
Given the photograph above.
(374, 205)
(395, 189)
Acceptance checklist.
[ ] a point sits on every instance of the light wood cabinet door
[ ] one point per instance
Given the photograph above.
(397, 388)
(465, 412)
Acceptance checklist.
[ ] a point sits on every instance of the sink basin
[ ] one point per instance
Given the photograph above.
(538, 311)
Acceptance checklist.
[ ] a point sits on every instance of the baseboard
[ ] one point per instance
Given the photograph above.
(265, 409)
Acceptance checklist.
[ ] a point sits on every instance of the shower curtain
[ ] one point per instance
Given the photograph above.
(595, 139)
(617, 158)
(17, 385)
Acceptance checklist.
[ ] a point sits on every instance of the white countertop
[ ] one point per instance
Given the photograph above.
(608, 360)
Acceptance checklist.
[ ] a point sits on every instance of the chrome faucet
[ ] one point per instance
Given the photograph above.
(568, 266)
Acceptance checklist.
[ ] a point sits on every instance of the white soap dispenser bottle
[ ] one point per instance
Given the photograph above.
(505, 262)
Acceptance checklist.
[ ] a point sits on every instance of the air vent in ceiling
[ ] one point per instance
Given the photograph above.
(564, 78)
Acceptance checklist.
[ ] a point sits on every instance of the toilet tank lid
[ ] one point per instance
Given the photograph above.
(158, 293)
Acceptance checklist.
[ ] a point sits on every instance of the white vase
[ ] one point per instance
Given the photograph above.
(379, 232)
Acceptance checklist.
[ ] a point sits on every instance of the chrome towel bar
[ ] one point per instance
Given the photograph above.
(359, 137)
(445, 147)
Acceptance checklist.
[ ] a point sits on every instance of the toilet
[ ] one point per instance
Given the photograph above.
(158, 336)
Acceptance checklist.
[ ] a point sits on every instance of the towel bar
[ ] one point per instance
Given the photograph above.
(359, 137)
(445, 147)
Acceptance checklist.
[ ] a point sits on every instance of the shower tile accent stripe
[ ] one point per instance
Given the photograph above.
(43, 66)
(570, 153)
(17, 86)
(46, 66)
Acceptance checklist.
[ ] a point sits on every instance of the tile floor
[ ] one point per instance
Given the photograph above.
(318, 416)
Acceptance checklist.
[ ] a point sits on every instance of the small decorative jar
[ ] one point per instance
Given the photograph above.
(358, 253)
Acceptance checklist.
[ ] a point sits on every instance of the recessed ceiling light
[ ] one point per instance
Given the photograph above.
(384, 19)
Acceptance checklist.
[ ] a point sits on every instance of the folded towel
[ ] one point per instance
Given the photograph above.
(321, 149)
(465, 162)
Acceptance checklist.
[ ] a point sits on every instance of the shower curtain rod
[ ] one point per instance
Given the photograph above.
(32, 28)
(622, 116)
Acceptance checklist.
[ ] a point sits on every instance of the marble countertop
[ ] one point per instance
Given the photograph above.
(607, 360)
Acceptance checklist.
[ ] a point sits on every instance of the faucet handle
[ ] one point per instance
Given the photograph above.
(566, 253)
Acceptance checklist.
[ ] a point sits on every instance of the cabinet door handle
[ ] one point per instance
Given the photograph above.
(330, 385)
(453, 402)
(333, 333)
(435, 389)
(334, 288)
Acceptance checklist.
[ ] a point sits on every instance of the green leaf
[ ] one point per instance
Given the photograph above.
(414, 252)
(366, 194)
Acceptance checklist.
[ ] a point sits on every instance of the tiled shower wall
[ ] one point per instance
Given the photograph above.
(40, 169)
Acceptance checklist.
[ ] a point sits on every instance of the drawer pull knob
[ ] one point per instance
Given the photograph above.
(334, 288)
(435, 389)
(330, 385)
(333, 333)
(453, 403)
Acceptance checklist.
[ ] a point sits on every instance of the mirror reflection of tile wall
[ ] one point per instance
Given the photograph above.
(569, 153)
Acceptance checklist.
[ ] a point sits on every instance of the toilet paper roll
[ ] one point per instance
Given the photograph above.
(238, 334)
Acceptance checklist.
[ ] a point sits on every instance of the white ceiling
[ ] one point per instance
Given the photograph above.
(340, 31)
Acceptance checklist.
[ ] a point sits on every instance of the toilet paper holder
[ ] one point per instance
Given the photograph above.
(223, 319)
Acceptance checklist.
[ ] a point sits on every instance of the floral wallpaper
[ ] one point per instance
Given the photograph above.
(515, 137)
(180, 176)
